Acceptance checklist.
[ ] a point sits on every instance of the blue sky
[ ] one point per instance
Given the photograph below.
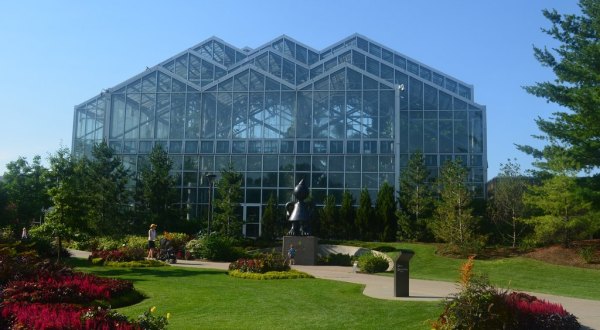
(56, 54)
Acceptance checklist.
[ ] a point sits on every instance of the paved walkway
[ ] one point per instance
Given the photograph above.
(382, 287)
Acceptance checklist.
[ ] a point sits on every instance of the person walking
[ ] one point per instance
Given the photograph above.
(24, 235)
(292, 254)
(151, 241)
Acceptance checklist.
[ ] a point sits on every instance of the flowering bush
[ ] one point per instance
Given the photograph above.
(479, 305)
(148, 321)
(120, 255)
(534, 313)
(261, 264)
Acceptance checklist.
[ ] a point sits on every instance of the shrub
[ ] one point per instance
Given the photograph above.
(215, 247)
(291, 274)
(337, 259)
(178, 240)
(370, 263)
(385, 248)
(534, 313)
(588, 253)
(122, 254)
(479, 305)
(261, 264)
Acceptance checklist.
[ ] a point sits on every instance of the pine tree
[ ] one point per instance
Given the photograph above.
(269, 219)
(385, 208)
(328, 218)
(364, 216)
(576, 64)
(347, 214)
(227, 202)
(454, 221)
(415, 198)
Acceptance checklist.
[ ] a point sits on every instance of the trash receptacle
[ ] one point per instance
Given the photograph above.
(401, 273)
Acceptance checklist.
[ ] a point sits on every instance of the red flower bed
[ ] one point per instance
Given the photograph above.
(78, 288)
(121, 255)
(61, 316)
(534, 313)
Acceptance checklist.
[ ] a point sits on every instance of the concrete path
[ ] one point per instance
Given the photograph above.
(382, 287)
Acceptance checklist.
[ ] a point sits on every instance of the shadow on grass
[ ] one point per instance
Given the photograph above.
(125, 273)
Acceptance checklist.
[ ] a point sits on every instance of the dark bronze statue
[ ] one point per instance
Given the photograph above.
(298, 213)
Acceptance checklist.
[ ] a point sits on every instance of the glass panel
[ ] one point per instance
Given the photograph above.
(240, 115)
(353, 147)
(287, 147)
(387, 73)
(445, 101)
(191, 147)
(430, 136)
(118, 116)
(303, 147)
(336, 163)
(255, 147)
(149, 83)
(386, 114)
(370, 119)
(320, 114)
(416, 132)
(412, 67)
(387, 56)
(206, 147)
(416, 94)
(271, 112)
(301, 74)
(238, 147)
(386, 164)
(475, 132)
(438, 79)
(224, 104)
(337, 116)
(320, 147)
(445, 133)
(304, 115)
(223, 147)
(275, 65)
(370, 163)
(362, 44)
(164, 83)
(132, 116)
(336, 180)
(255, 116)
(208, 72)
(451, 85)
(257, 81)
(375, 50)
(162, 115)
(425, 73)
(177, 116)
(289, 71)
(353, 164)
(336, 147)
(400, 61)
(175, 147)
(358, 59)
(338, 80)
(354, 126)
(431, 98)
(303, 163)
(209, 108)
(301, 54)
(373, 66)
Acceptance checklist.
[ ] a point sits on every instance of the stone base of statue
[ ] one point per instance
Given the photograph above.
(306, 249)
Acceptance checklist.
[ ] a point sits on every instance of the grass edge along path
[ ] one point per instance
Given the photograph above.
(209, 299)
(515, 273)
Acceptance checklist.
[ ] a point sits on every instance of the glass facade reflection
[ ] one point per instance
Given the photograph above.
(345, 117)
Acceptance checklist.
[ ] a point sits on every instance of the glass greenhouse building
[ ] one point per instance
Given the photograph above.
(342, 118)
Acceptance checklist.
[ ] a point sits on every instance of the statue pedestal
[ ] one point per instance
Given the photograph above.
(306, 249)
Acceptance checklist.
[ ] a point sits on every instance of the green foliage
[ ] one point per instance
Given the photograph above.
(416, 202)
(107, 192)
(336, 259)
(270, 219)
(364, 216)
(478, 305)
(155, 194)
(130, 264)
(261, 263)
(506, 205)
(274, 275)
(149, 321)
(347, 215)
(564, 211)
(227, 221)
(588, 253)
(328, 218)
(575, 65)
(385, 210)
(214, 247)
(24, 191)
(371, 263)
(454, 222)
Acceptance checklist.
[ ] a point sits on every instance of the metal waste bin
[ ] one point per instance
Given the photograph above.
(401, 273)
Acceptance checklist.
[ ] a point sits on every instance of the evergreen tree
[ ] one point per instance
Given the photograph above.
(269, 219)
(454, 222)
(156, 191)
(227, 202)
(69, 184)
(576, 64)
(110, 198)
(364, 216)
(385, 208)
(565, 212)
(415, 198)
(328, 218)
(347, 216)
(506, 207)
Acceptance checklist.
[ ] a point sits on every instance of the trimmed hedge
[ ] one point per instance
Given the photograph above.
(291, 274)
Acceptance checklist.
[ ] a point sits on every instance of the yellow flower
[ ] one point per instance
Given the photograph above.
(168, 316)
(152, 309)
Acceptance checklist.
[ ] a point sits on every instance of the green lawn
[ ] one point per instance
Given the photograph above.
(209, 299)
(515, 273)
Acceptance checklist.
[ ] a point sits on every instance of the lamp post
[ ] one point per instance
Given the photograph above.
(211, 184)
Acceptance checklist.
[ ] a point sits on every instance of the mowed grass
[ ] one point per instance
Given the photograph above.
(210, 299)
(516, 273)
